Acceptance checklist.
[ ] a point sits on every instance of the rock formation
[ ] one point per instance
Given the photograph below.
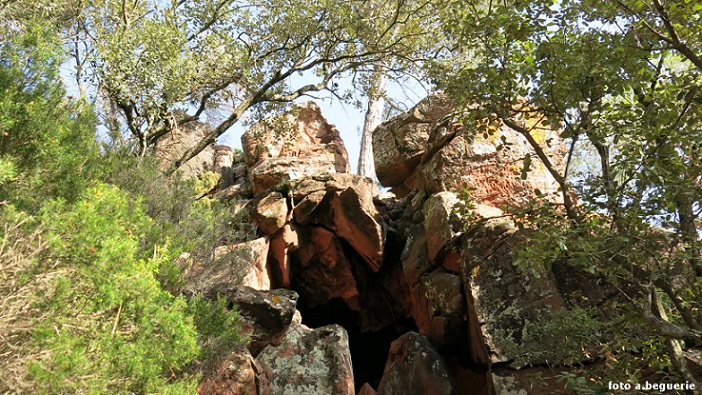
(347, 291)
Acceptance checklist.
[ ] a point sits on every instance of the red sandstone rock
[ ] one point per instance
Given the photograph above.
(270, 212)
(414, 367)
(342, 203)
(440, 224)
(324, 271)
(293, 145)
(282, 243)
(421, 149)
(400, 142)
(366, 390)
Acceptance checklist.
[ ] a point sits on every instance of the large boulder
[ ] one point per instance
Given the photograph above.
(270, 212)
(308, 361)
(293, 145)
(400, 142)
(342, 203)
(414, 367)
(503, 298)
(171, 146)
(427, 148)
(267, 314)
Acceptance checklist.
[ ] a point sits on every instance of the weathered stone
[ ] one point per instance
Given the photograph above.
(437, 153)
(324, 271)
(346, 208)
(443, 295)
(439, 224)
(415, 262)
(223, 162)
(235, 180)
(171, 146)
(270, 212)
(282, 243)
(399, 143)
(503, 298)
(267, 314)
(494, 175)
(230, 265)
(308, 362)
(233, 374)
(293, 145)
(278, 172)
(414, 367)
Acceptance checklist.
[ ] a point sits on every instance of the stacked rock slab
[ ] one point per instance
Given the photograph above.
(296, 144)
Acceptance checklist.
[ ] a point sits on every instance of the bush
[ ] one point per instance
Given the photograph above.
(46, 139)
(106, 324)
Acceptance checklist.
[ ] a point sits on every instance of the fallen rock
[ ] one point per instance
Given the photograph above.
(414, 367)
(308, 361)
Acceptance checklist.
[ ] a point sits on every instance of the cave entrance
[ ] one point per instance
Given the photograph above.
(369, 350)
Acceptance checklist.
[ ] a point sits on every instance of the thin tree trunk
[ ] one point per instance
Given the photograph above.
(374, 115)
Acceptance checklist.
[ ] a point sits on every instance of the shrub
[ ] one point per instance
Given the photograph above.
(106, 325)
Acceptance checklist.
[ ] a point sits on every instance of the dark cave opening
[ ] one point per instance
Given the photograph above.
(369, 350)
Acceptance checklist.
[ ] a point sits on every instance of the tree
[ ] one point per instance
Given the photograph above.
(373, 118)
(622, 78)
(147, 59)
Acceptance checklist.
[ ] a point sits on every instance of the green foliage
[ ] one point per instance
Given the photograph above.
(623, 81)
(218, 325)
(108, 326)
(556, 337)
(47, 143)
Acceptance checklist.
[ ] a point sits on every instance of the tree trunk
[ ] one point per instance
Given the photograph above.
(374, 115)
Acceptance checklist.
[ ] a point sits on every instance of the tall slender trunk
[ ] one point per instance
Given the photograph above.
(374, 115)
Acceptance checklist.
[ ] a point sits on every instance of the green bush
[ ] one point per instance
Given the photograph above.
(109, 327)
(46, 139)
